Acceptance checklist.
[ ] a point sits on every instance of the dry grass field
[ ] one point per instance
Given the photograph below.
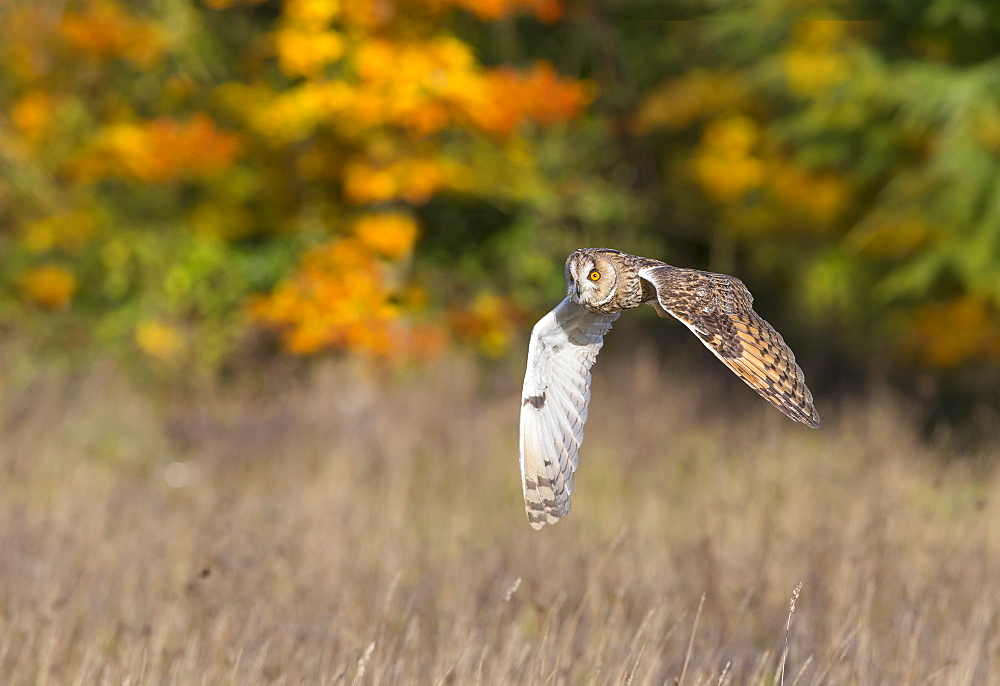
(361, 528)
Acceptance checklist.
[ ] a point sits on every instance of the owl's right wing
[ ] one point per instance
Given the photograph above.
(563, 347)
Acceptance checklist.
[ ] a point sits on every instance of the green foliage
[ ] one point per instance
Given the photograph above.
(162, 165)
(866, 166)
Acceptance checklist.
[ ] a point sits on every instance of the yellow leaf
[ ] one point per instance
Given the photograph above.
(49, 286)
(391, 234)
(157, 339)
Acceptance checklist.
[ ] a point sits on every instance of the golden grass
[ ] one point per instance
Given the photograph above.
(358, 530)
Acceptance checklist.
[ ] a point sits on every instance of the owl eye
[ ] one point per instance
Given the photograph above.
(595, 275)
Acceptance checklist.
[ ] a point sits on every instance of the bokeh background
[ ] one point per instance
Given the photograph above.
(267, 271)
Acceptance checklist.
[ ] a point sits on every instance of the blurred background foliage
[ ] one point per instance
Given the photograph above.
(186, 182)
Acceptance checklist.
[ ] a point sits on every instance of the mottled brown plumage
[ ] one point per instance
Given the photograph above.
(601, 283)
(719, 310)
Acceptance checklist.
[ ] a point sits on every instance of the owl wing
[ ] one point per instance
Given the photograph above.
(719, 310)
(562, 349)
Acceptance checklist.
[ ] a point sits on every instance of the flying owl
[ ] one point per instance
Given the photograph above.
(601, 283)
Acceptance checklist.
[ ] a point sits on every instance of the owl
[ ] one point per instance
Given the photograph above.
(601, 283)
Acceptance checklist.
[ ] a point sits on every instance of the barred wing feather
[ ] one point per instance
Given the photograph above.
(563, 347)
(719, 310)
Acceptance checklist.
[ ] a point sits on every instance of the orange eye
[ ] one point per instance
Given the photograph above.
(595, 275)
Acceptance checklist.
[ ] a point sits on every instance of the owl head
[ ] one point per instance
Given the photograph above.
(591, 275)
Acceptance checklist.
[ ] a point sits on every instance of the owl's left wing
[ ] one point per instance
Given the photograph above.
(719, 310)
(562, 349)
